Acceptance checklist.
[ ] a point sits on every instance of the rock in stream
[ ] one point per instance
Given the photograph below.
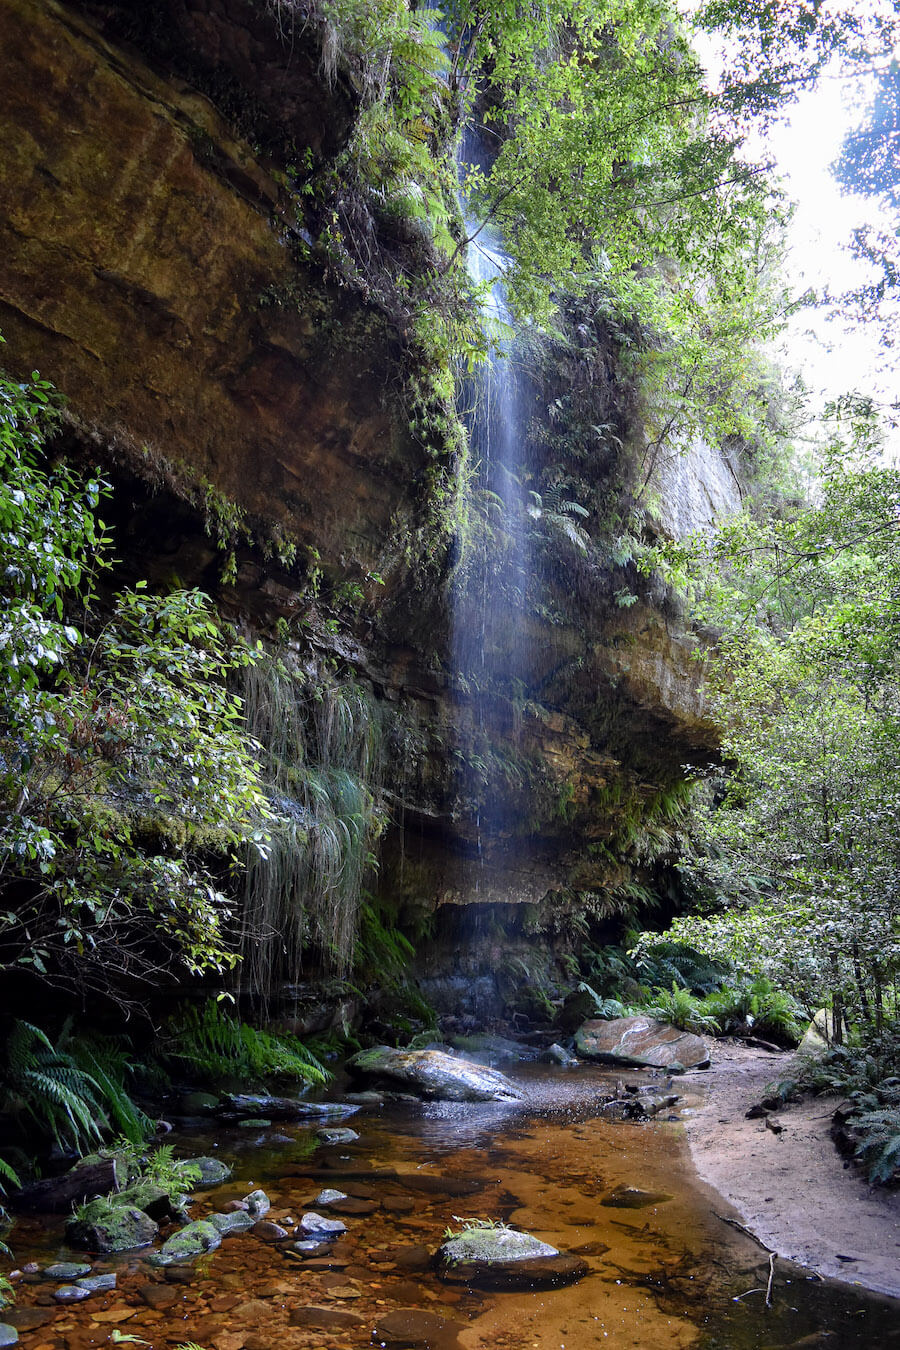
(504, 1258)
(434, 1075)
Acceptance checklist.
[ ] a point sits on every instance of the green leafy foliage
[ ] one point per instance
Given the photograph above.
(47, 1090)
(796, 848)
(878, 1150)
(111, 730)
(383, 957)
(679, 1007)
(208, 1042)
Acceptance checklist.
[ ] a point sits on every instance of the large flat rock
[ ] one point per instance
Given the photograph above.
(641, 1041)
(504, 1258)
(433, 1074)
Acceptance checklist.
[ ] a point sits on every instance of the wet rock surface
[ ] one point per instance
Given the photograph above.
(337, 1135)
(212, 1171)
(643, 1042)
(433, 1075)
(631, 1197)
(112, 1228)
(66, 1270)
(504, 1258)
(283, 1108)
(192, 1240)
(553, 1170)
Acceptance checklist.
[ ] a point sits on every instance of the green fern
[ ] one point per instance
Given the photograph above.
(45, 1084)
(72, 1091)
(879, 1148)
(106, 1059)
(220, 1047)
(683, 1010)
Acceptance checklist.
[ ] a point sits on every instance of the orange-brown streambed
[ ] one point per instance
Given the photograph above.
(668, 1275)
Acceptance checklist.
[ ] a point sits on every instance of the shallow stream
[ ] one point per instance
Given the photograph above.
(668, 1274)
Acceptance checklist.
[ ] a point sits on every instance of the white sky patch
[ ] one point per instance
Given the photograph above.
(833, 355)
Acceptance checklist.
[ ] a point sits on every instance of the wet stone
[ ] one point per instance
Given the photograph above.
(316, 1225)
(198, 1104)
(258, 1204)
(317, 1318)
(398, 1204)
(338, 1135)
(433, 1075)
(159, 1296)
(28, 1319)
(66, 1270)
(180, 1273)
(97, 1284)
(354, 1206)
(504, 1258)
(212, 1171)
(557, 1054)
(237, 1221)
(328, 1197)
(415, 1256)
(284, 1108)
(111, 1228)
(306, 1247)
(8, 1334)
(254, 1123)
(642, 1041)
(268, 1231)
(630, 1197)
(70, 1293)
(190, 1241)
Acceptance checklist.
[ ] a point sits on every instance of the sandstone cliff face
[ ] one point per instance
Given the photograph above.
(153, 266)
(148, 266)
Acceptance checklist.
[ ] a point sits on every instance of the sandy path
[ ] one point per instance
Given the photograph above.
(792, 1190)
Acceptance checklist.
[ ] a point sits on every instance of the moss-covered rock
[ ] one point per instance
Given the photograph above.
(193, 1240)
(504, 1258)
(104, 1226)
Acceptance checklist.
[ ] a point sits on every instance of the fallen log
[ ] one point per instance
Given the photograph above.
(57, 1195)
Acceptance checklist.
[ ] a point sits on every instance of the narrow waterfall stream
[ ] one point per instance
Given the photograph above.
(490, 655)
(667, 1275)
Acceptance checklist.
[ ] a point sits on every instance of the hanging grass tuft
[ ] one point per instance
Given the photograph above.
(322, 757)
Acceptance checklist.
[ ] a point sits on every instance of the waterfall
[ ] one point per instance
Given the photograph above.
(489, 645)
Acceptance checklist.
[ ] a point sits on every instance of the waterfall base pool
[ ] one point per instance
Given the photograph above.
(666, 1274)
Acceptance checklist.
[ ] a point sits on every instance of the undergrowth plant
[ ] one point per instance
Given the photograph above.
(70, 1094)
(866, 1076)
(209, 1043)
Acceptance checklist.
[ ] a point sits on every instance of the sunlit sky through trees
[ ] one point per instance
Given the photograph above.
(834, 353)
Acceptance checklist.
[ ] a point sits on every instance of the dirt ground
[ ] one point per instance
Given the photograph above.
(792, 1190)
